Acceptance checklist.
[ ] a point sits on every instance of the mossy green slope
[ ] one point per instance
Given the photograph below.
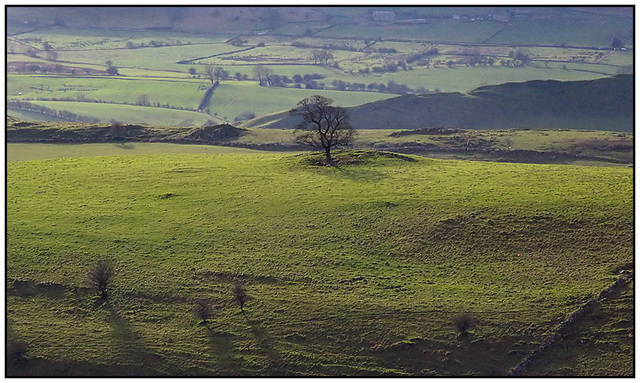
(351, 269)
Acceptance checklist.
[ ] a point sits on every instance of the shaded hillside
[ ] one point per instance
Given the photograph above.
(603, 104)
(185, 19)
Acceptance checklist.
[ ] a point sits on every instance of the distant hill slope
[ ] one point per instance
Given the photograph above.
(602, 104)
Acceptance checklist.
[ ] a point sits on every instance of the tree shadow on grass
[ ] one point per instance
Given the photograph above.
(221, 345)
(131, 343)
(358, 174)
(124, 145)
(266, 344)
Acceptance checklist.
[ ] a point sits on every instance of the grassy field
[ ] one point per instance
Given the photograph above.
(131, 113)
(90, 39)
(520, 139)
(465, 79)
(233, 98)
(355, 270)
(183, 93)
(229, 100)
(352, 270)
(30, 152)
(161, 58)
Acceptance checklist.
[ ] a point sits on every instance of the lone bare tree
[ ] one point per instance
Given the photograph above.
(203, 309)
(101, 275)
(323, 126)
(240, 295)
(463, 323)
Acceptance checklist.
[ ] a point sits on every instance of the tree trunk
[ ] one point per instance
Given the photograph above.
(327, 152)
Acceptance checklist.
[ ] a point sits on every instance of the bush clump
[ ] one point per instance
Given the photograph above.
(463, 323)
(240, 295)
(101, 275)
(203, 309)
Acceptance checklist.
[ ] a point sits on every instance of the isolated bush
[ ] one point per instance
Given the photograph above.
(117, 130)
(463, 323)
(17, 352)
(101, 275)
(240, 295)
(113, 71)
(203, 309)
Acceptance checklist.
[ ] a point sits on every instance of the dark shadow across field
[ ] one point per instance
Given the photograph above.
(130, 342)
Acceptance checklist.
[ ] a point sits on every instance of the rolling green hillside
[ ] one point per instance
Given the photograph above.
(481, 223)
(602, 104)
(355, 270)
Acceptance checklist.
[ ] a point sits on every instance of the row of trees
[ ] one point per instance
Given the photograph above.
(265, 77)
(101, 276)
(263, 74)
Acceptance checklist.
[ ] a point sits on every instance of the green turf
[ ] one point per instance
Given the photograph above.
(92, 39)
(348, 267)
(30, 152)
(178, 93)
(150, 58)
(130, 113)
(233, 98)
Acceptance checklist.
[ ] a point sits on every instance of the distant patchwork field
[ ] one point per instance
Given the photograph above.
(286, 54)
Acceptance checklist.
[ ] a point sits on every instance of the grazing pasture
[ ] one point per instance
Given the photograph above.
(233, 98)
(30, 152)
(130, 113)
(128, 90)
(353, 270)
(229, 251)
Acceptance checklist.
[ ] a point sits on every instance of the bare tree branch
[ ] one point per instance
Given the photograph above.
(323, 126)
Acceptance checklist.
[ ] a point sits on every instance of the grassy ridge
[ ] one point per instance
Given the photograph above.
(532, 146)
(346, 266)
(602, 104)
